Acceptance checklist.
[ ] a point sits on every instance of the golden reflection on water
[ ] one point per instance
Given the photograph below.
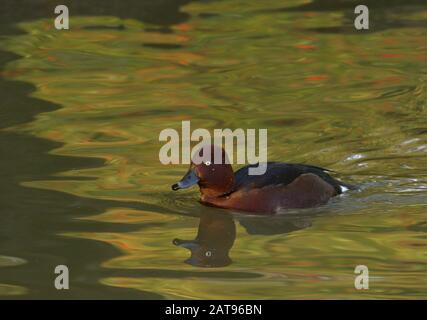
(353, 103)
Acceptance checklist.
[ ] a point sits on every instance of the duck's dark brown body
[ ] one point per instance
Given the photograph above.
(283, 186)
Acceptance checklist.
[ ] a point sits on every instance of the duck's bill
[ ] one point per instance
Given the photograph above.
(189, 180)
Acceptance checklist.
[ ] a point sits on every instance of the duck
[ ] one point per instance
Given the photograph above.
(282, 186)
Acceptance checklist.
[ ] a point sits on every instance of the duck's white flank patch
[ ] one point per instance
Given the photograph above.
(343, 189)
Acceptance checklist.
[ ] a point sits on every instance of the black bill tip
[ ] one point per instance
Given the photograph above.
(175, 187)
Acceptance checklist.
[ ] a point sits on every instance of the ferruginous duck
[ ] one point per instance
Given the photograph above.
(282, 186)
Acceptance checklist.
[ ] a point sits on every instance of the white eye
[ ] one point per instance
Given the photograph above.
(208, 254)
(208, 163)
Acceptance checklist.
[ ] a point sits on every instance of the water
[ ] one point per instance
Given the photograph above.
(81, 183)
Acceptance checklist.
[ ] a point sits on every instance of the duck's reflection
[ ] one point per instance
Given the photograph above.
(217, 232)
(215, 237)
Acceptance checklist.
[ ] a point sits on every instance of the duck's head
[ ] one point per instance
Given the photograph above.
(211, 170)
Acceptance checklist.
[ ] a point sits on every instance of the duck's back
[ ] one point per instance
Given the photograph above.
(279, 173)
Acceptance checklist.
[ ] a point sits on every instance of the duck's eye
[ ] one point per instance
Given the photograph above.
(208, 254)
(208, 163)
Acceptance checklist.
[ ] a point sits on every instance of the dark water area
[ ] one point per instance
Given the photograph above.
(29, 213)
(386, 14)
(80, 114)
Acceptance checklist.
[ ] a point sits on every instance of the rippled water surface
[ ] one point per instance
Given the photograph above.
(81, 183)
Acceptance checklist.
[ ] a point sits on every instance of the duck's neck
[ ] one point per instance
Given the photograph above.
(222, 188)
(208, 193)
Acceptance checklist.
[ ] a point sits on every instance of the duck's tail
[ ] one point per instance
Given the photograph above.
(346, 186)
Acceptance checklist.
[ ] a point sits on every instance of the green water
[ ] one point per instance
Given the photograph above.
(81, 183)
